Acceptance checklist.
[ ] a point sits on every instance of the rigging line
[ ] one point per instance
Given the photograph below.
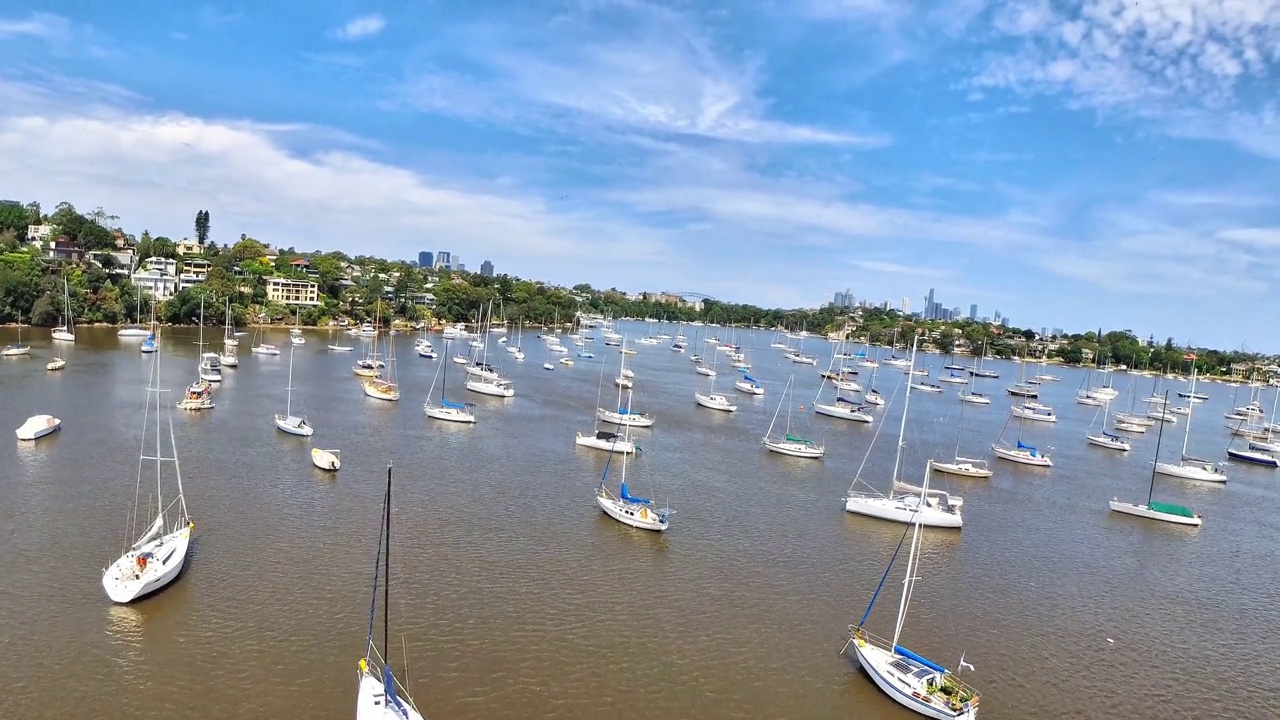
(885, 576)
(377, 568)
(857, 477)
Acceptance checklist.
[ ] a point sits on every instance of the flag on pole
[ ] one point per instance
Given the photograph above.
(964, 664)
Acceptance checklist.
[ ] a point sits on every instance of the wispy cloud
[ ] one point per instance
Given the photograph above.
(37, 25)
(365, 26)
(893, 268)
(657, 73)
(212, 15)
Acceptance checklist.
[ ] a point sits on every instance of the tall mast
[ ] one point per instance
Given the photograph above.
(386, 587)
(445, 378)
(902, 427)
(908, 583)
(1151, 491)
(288, 391)
(1191, 406)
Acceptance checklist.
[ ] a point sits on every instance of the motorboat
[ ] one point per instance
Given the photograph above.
(37, 426)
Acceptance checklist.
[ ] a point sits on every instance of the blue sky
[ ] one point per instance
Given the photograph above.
(1082, 164)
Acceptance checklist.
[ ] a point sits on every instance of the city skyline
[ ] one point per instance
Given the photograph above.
(1066, 163)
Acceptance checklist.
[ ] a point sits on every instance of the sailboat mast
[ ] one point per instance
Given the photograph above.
(288, 391)
(155, 388)
(1191, 406)
(902, 427)
(1151, 491)
(386, 586)
(909, 581)
(445, 378)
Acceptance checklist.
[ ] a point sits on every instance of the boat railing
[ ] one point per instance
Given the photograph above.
(958, 688)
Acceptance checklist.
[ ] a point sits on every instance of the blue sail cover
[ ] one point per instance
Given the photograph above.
(860, 354)
(389, 686)
(628, 498)
(1034, 452)
(749, 379)
(454, 405)
(845, 401)
(922, 660)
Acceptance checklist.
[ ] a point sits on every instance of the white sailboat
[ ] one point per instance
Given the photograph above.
(962, 466)
(625, 415)
(1020, 453)
(67, 331)
(789, 444)
(17, 349)
(842, 408)
(484, 378)
(379, 696)
(971, 394)
(136, 330)
(156, 557)
(446, 410)
(932, 508)
(384, 387)
(295, 332)
(199, 394)
(638, 512)
(603, 439)
(261, 348)
(288, 422)
(1166, 512)
(711, 399)
(228, 356)
(748, 385)
(1188, 467)
(911, 680)
(1103, 438)
(210, 367)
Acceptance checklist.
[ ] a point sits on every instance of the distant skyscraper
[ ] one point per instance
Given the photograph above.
(486, 268)
(426, 259)
(444, 260)
(906, 305)
(930, 312)
(973, 311)
(462, 268)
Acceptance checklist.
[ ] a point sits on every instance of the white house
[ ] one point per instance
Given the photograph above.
(193, 273)
(157, 277)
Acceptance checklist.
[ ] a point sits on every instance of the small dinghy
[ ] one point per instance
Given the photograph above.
(330, 460)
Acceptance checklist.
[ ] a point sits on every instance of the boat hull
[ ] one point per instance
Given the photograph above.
(630, 419)
(714, 402)
(792, 449)
(1021, 458)
(836, 411)
(633, 514)
(38, 426)
(1191, 472)
(963, 469)
(492, 389)
(294, 425)
(328, 460)
(122, 579)
(448, 414)
(1144, 512)
(748, 388)
(1103, 441)
(875, 661)
(591, 441)
(381, 391)
(371, 702)
(895, 510)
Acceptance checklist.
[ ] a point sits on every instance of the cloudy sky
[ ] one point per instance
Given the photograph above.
(1070, 164)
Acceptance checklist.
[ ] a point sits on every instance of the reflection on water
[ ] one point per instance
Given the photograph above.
(124, 625)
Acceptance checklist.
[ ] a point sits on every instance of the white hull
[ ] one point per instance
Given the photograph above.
(843, 413)
(371, 701)
(448, 414)
(793, 449)
(1204, 472)
(633, 514)
(962, 468)
(133, 333)
(330, 460)
(748, 388)
(16, 351)
(294, 425)
(37, 426)
(877, 662)
(624, 383)
(975, 399)
(902, 510)
(705, 371)
(126, 581)
(1033, 415)
(1022, 457)
(229, 361)
(1108, 442)
(55, 364)
(618, 446)
(341, 348)
(379, 390)
(63, 336)
(630, 419)
(873, 398)
(714, 402)
(264, 350)
(1144, 512)
(211, 376)
(192, 404)
(495, 389)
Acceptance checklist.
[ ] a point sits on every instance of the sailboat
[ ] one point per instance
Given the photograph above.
(962, 466)
(482, 377)
(1020, 453)
(135, 330)
(379, 695)
(638, 512)
(604, 439)
(288, 422)
(789, 444)
(625, 414)
(1166, 512)
(295, 332)
(748, 385)
(712, 399)
(65, 333)
(446, 410)
(1188, 467)
(842, 408)
(384, 387)
(17, 349)
(971, 394)
(199, 394)
(261, 348)
(210, 368)
(932, 508)
(156, 557)
(911, 680)
(1106, 439)
(228, 356)
(871, 395)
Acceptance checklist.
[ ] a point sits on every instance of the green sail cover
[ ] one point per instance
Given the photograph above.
(1170, 509)
(793, 438)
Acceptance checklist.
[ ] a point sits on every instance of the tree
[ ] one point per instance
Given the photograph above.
(34, 217)
(14, 218)
(202, 227)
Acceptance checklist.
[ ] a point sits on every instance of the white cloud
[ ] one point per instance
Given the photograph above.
(663, 76)
(362, 27)
(42, 25)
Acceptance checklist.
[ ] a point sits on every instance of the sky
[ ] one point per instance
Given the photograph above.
(1085, 164)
